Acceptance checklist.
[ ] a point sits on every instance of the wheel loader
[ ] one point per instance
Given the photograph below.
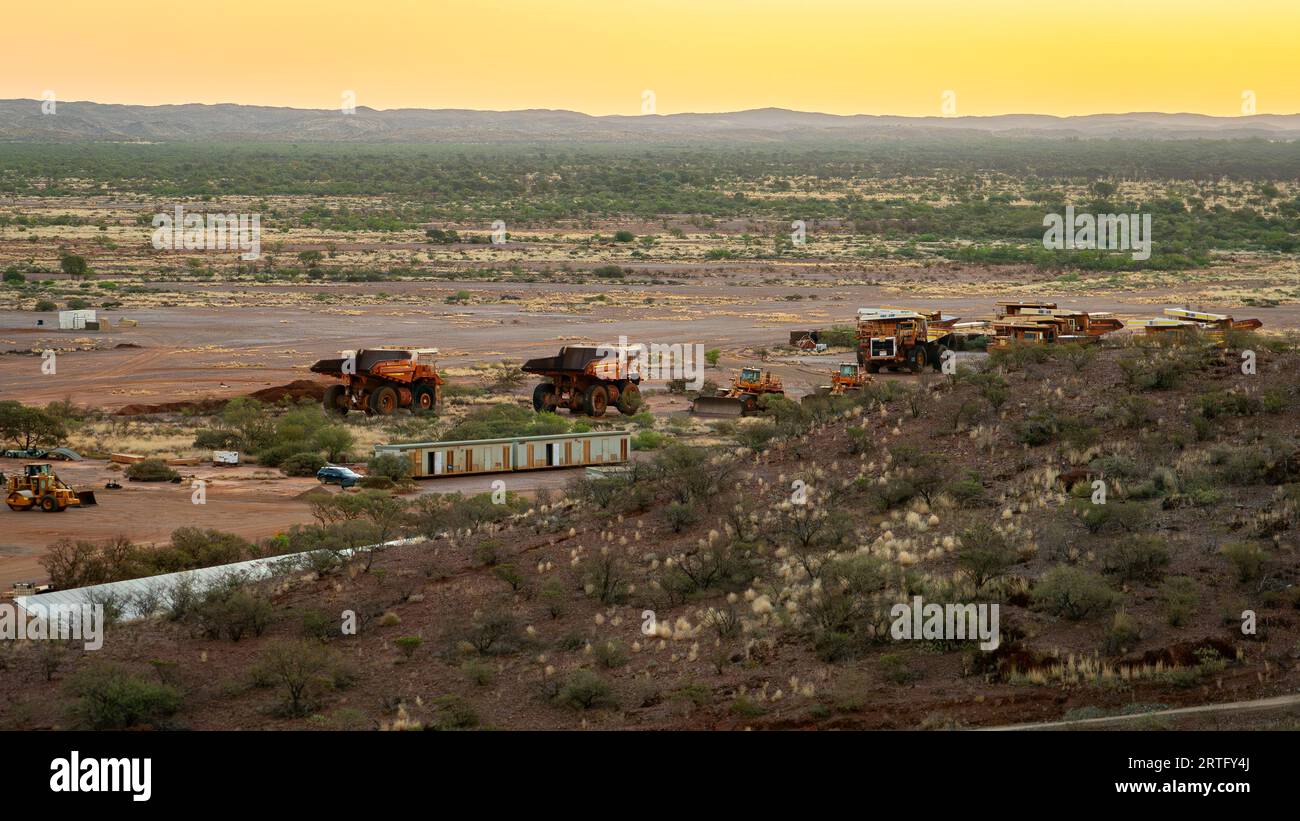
(39, 486)
(587, 380)
(380, 380)
(741, 399)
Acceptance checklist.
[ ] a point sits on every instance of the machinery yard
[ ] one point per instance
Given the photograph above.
(443, 421)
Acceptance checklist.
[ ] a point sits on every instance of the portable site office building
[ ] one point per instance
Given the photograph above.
(432, 459)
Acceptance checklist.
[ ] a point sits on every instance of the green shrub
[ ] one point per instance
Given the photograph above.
(275, 455)
(584, 690)
(984, 554)
(150, 470)
(44, 306)
(391, 465)
(408, 644)
(300, 669)
(1180, 596)
(1120, 516)
(1122, 635)
(112, 698)
(1073, 593)
(647, 440)
(478, 671)
(611, 654)
(681, 515)
(216, 439)
(232, 612)
(1136, 559)
(968, 491)
(302, 464)
(1246, 558)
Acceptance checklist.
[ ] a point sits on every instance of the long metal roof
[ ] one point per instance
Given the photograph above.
(502, 441)
(129, 594)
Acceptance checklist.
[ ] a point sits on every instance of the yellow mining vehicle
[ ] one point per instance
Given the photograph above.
(39, 486)
(742, 397)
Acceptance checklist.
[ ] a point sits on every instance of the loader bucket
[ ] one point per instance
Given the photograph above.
(717, 406)
(87, 497)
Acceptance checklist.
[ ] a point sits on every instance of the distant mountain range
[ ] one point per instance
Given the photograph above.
(22, 121)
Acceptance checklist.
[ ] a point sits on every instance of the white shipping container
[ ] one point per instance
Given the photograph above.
(75, 320)
(225, 457)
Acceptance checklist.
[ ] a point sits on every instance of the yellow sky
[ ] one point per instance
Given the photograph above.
(598, 56)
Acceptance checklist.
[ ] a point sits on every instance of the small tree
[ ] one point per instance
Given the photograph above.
(29, 427)
(294, 667)
(985, 554)
(385, 514)
(73, 265)
(335, 441)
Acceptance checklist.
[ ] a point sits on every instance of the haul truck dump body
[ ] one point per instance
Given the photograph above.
(587, 380)
(381, 380)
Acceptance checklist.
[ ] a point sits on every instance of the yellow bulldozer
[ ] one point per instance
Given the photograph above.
(39, 486)
(742, 397)
(849, 378)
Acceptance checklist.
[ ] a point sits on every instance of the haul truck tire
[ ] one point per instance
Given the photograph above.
(595, 400)
(335, 400)
(383, 401)
(544, 398)
(629, 398)
(916, 359)
(424, 398)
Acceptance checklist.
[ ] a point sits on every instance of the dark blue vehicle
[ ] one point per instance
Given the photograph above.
(335, 475)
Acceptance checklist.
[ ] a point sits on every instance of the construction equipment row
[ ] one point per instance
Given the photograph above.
(589, 380)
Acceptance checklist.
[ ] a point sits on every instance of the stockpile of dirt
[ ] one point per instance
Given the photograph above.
(294, 391)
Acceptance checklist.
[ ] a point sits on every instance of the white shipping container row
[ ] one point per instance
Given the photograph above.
(432, 459)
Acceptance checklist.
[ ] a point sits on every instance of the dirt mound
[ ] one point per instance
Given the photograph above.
(294, 391)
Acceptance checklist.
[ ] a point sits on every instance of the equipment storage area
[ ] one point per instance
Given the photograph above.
(433, 459)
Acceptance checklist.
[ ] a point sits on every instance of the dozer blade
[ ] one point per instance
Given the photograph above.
(87, 497)
(717, 406)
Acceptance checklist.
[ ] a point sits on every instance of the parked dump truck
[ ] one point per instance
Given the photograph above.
(381, 380)
(1214, 326)
(39, 486)
(1045, 322)
(898, 338)
(743, 395)
(587, 380)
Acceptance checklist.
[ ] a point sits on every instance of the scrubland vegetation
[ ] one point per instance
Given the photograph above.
(751, 584)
